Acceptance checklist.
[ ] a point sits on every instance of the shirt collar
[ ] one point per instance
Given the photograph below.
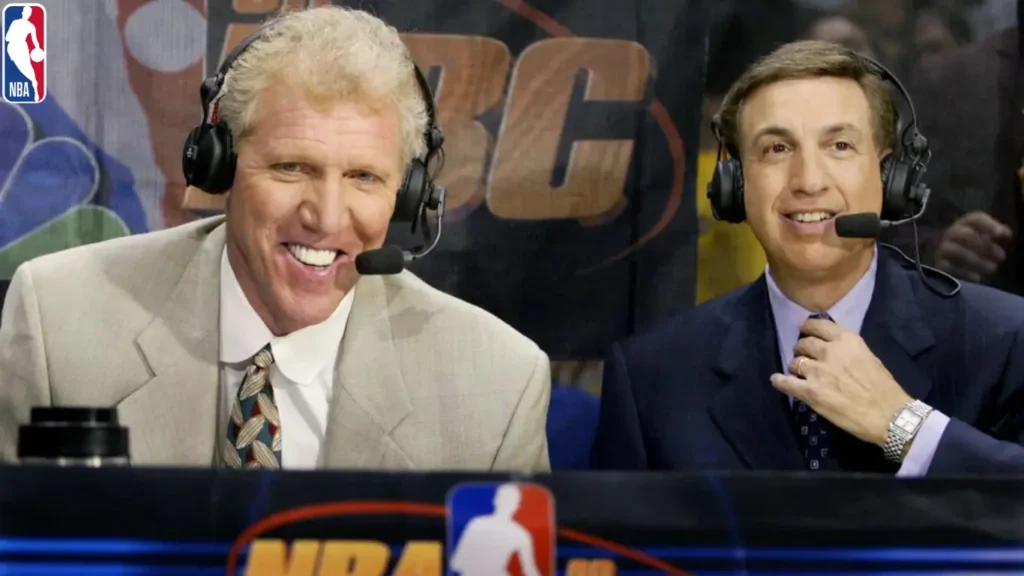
(300, 355)
(849, 312)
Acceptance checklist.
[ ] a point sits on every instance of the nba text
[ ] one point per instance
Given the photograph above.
(270, 557)
(19, 89)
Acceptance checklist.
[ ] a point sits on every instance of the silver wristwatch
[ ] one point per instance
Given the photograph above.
(902, 429)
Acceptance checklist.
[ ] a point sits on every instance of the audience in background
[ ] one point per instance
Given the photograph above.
(969, 101)
(841, 30)
(935, 33)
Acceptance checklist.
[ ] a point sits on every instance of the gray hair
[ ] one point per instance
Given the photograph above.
(335, 54)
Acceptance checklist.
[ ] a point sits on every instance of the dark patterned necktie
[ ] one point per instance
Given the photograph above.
(254, 430)
(812, 430)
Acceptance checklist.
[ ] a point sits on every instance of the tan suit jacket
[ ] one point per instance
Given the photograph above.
(425, 381)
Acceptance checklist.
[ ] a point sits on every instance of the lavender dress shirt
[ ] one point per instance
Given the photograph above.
(849, 313)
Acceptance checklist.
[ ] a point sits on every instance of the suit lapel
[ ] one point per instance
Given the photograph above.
(370, 397)
(751, 414)
(896, 333)
(173, 416)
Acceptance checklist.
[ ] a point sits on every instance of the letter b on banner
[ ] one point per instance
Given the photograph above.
(473, 73)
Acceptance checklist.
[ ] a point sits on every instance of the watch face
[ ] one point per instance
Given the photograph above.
(908, 421)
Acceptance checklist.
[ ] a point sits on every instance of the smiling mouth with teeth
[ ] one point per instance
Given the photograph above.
(313, 257)
(811, 217)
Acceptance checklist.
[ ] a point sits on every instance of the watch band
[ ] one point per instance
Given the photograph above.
(903, 428)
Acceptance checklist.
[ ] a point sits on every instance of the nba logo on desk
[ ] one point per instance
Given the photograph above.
(24, 53)
(501, 529)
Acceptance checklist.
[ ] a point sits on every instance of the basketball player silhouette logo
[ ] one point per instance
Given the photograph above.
(501, 529)
(24, 64)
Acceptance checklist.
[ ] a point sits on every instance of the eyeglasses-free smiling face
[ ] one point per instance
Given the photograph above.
(809, 154)
(314, 187)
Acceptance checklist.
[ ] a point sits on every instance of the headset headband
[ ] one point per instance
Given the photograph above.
(882, 72)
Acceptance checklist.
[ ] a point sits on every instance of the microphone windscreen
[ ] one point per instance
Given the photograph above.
(863, 225)
(386, 260)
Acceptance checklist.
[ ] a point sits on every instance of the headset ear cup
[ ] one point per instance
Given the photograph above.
(189, 153)
(410, 195)
(213, 168)
(895, 176)
(222, 176)
(202, 163)
(717, 192)
(725, 192)
(739, 191)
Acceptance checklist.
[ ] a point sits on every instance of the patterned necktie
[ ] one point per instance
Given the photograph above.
(254, 429)
(812, 429)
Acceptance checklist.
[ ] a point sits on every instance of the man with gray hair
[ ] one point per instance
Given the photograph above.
(251, 340)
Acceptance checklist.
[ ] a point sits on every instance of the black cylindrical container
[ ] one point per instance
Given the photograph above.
(73, 436)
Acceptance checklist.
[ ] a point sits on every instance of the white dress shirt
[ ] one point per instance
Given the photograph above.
(302, 374)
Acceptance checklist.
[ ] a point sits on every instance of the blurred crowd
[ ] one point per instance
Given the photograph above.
(905, 34)
(960, 61)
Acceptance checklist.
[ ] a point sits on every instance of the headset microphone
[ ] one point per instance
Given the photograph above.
(865, 225)
(392, 259)
(870, 225)
(386, 260)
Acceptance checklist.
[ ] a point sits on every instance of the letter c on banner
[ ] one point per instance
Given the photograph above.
(534, 124)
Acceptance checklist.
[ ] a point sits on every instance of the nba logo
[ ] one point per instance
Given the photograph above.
(498, 529)
(24, 53)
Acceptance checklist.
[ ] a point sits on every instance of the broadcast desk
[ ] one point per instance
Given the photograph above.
(157, 521)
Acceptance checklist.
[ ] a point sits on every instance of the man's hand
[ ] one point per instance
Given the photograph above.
(973, 247)
(835, 373)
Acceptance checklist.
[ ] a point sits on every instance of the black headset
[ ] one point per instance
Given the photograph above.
(902, 197)
(209, 160)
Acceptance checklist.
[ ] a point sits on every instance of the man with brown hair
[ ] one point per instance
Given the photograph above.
(840, 356)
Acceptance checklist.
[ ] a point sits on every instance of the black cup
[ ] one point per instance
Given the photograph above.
(73, 437)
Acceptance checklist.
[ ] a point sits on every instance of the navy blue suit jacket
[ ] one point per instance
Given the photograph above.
(695, 394)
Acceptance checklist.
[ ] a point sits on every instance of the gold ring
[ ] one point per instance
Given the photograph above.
(799, 366)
